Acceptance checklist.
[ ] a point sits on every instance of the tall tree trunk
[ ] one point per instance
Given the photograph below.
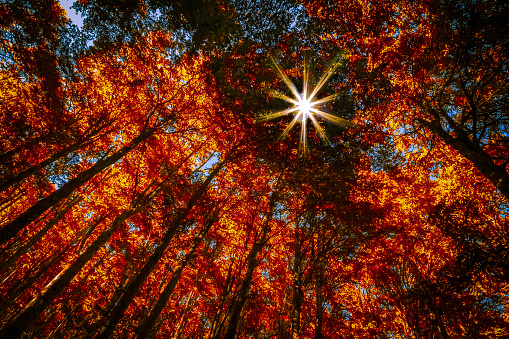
(15, 326)
(220, 316)
(136, 283)
(10, 230)
(117, 294)
(319, 301)
(17, 178)
(497, 174)
(86, 138)
(298, 294)
(28, 281)
(148, 323)
(252, 263)
(24, 249)
(72, 301)
(182, 320)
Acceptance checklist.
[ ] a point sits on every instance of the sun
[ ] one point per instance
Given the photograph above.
(304, 106)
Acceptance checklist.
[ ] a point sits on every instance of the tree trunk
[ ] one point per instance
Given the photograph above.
(298, 294)
(24, 249)
(10, 230)
(16, 326)
(85, 139)
(72, 301)
(28, 281)
(182, 320)
(148, 323)
(319, 302)
(117, 294)
(135, 284)
(17, 178)
(245, 287)
(220, 317)
(497, 174)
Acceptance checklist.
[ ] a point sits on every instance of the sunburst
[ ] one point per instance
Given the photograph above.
(305, 107)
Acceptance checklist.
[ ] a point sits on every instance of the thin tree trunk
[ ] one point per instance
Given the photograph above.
(10, 230)
(24, 249)
(126, 274)
(252, 263)
(319, 302)
(26, 282)
(282, 325)
(182, 320)
(135, 284)
(16, 326)
(8, 201)
(148, 323)
(69, 301)
(437, 315)
(297, 295)
(219, 317)
(497, 174)
(17, 178)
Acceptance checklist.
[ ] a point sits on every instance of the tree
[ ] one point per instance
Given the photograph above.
(141, 196)
(440, 66)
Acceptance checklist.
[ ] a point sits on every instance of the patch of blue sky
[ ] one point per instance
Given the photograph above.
(132, 226)
(202, 166)
(72, 14)
(60, 174)
(213, 159)
(58, 180)
(346, 315)
(327, 307)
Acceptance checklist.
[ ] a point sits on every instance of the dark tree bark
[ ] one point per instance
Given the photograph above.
(298, 293)
(134, 286)
(220, 316)
(252, 263)
(17, 178)
(497, 174)
(30, 280)
(10, 230)
(319, 301)
(24, 249)
(148, 323)
(16, 326)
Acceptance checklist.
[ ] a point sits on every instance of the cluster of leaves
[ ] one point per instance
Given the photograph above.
(138, 197)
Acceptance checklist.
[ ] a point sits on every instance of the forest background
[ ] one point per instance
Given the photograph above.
(143, 192)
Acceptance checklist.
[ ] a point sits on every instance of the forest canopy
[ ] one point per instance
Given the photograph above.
(254, 169)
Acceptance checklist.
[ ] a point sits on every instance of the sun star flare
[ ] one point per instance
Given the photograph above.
(304, 105)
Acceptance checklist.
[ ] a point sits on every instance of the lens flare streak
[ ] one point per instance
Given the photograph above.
(304, 106)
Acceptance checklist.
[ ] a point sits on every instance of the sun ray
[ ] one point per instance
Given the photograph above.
(305, 79)
(290, 126)
(303, 135)
(279, 95)
(277, 114)
(304, 106)
(319, 129)
(332, 118)
(287, 80)
(326, 99)
(328, 73)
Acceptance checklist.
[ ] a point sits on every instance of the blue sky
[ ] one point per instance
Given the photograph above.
(71, 13)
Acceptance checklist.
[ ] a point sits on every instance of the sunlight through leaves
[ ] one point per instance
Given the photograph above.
(305, 107)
